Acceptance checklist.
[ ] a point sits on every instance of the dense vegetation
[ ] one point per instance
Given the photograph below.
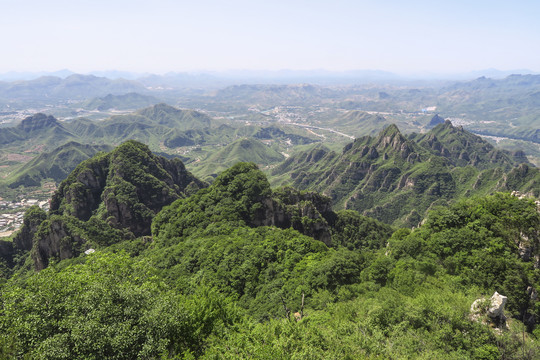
(108, 198)
(396, 179)
(140, 259)
(241, 270)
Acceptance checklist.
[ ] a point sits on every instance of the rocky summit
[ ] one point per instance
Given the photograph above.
(114, 195)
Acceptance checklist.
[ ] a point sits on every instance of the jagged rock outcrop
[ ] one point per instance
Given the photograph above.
(33, 217)
(121, 190)
(306, 212)
(493, 308)
(129, 185)
(389, 175)
(55, 240)
(496, 307)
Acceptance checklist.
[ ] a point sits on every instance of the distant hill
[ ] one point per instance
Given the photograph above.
(75, 86)
(55, 165)
(151, 125)
(38, 128)
(166, 115)
(128, 101)
(275, 94)
(359, 123)
(463, 148)
(226, 134)
(435, 120)
(243, 150)
(396, 179)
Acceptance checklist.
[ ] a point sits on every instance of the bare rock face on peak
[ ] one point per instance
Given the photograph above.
(128, 186)
(107, 198)
(396, 178)
(493, 308)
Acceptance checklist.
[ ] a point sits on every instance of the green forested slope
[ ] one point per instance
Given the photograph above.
(242, 150)
(241, 270)
(120, 102)
(55, 165)
(396, 179)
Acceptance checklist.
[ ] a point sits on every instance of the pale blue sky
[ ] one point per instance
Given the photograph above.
(165, 35)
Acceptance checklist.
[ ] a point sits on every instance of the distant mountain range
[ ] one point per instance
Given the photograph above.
(266, 76)
(72, 87)
(158, 125)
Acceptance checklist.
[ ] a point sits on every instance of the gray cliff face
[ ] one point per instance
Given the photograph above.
(528, 242)
(7, 251)
(304, 212)
(85, 194)
(55, 241)
(123, 189)
(33, 217)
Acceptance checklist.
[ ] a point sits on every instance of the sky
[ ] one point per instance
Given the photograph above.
(159, 36)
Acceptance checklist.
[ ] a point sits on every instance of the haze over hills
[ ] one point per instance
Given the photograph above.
(120, 102)
(503, 108)
(265, 76)
(72, 87)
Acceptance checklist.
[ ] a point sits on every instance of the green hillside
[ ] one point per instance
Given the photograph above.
(127, 101)
(243, 150)
(163, 114)
(396, 179)
(36, 129)
(55, 165)
(239, 270)
(359, 123)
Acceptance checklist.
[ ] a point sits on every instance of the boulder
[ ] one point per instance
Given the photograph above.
(496, 308)
(493, 308)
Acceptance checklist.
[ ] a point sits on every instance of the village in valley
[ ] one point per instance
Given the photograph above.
(12, 214)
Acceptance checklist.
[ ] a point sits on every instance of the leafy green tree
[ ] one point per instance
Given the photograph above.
(110, 307)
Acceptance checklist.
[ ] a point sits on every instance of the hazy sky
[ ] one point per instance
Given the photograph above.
(174, 35)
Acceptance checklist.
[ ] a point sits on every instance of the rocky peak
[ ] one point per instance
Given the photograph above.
(117, 191)
(390, 137)
(436, 120)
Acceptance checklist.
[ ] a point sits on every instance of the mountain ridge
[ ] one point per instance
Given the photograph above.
(396, 179)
